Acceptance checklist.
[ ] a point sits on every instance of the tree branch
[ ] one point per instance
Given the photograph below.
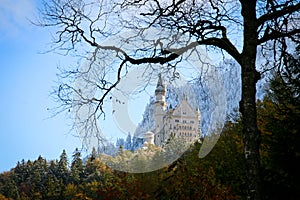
(276, 35)
(225, 44)
(276, 14)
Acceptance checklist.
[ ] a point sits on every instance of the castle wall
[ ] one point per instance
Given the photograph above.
(182, 121)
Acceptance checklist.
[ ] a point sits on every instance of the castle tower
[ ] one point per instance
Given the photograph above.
(160, 91)
(149, 137)
(160, 104)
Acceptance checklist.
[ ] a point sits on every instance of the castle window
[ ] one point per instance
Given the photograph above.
(191, 122)
(184, 113)
(184, 121)
(176, 120)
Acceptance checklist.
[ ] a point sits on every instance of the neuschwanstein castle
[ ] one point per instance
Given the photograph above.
(182, 121)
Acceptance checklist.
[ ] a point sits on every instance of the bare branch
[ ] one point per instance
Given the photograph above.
(278, 13)
(274, 35)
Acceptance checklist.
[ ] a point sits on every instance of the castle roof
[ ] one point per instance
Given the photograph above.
(188, 108)
(160, 87)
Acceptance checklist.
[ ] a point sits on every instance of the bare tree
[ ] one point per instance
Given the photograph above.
(242, 29)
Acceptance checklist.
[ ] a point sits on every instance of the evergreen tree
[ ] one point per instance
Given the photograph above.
(279, 116)
(128, 142)
(10, 188)
(62, 169)
(238, 28)
(94, 154)
(52, 169)
(53, 189)
(23, 171)
(76, 167)
(135, 143)
(91, 166)
(39, 174)
(120, 149)
(120, 142)
(285, 85)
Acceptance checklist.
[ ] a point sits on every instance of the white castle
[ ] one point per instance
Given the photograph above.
(182, 121)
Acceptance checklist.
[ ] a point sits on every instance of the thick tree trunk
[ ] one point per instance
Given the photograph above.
(251, 134)
(250, 76)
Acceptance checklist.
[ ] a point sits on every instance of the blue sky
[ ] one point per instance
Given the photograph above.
(27, 77)
(26, 80)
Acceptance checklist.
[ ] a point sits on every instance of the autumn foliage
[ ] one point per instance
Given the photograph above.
(220, 175)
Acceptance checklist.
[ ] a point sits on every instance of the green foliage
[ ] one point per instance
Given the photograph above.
(278, 117)
(11, 189)
(219, 175)
(62, 169)
(77, 172)
(188, 178)
(193, 178)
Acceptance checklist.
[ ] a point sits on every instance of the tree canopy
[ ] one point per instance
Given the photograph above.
(220, 175)
(242, 29)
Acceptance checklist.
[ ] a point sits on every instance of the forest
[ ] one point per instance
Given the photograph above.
(220, 175)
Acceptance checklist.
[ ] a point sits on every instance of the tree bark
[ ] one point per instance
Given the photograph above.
(251, 134)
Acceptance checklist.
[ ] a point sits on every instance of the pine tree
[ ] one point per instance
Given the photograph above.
(52, 169)
(39, 174)
(120, 142)
(91, 166)
(279, 116)
(62, 169)
(52, 189)
(11, 189)
(128, 142)
(120, 149)
(94, 154)
(76, 167)
(135, 143)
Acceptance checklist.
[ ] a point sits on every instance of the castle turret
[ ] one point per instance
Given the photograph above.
(149, 137)
(160, 91)
(160, 104)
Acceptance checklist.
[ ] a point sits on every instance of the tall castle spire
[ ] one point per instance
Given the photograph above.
(160, 91)
(160, 104)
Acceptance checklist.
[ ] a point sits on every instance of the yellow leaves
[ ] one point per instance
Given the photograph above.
(70, 191)
(81, 196)
(2, 197)
(93, 186)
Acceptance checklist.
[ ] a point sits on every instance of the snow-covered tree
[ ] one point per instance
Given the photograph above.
(128, 145)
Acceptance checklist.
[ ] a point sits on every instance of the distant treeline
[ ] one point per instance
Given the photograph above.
(220, 175)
